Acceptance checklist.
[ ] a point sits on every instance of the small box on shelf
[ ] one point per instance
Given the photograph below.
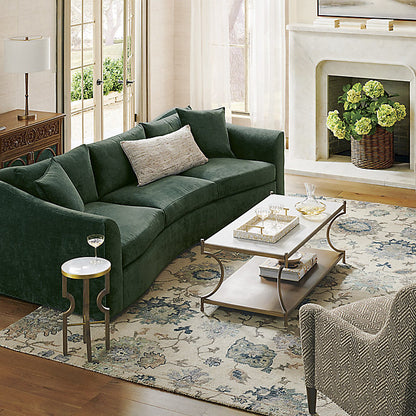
(379, 24)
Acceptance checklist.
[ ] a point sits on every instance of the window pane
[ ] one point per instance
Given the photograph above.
(238, 78)
(88, 90)
(76, 90)
(76, 130)
(75, 46)
(88, 126)
(88, 11)
(88, 44)
(237, 23)
(76, 11)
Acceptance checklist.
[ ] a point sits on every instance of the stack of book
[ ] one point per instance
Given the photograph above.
(270, 268)
(326, 22)
(380, 24)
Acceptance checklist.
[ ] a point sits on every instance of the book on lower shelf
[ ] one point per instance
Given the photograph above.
(270, 268)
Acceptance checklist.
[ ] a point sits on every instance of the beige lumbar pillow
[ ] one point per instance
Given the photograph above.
(162, 156)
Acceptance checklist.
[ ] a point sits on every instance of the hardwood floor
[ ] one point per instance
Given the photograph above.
(35, 386)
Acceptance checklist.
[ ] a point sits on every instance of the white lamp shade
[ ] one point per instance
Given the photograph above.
(26, 55)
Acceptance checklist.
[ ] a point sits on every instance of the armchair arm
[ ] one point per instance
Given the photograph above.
(259, 144)
(37, 237)
(320, 331)
(374, 369)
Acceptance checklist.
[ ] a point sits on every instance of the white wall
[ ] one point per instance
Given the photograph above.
(302, 11)
(28, 18)
(161, 56)
(182, 52)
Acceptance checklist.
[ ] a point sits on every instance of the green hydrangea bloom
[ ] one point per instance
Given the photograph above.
(340, 131)
(386, 115)
(373, 89)
(353, 96)
(400, 111)
(336, 125)
(357, 87)
(363, 126)
(332, 119)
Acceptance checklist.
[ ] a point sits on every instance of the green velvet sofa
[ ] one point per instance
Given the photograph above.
(144, 227)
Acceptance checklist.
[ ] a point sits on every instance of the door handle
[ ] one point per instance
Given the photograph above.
(128, 82)
(100, 81)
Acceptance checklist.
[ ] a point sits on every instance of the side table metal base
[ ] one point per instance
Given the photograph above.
(86, 322)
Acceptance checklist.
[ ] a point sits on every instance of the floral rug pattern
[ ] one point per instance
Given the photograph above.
(240, 359)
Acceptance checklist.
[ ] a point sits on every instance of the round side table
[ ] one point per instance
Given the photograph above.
(85, 269)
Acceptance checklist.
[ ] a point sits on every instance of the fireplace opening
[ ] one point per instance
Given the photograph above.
(401, 129)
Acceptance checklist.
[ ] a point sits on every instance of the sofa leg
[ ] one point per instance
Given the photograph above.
(311, 393)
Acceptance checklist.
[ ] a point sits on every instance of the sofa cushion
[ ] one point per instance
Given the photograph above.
(77, 165)
(24, 177)
(209, 129)
(234, 175)
(175, 195)
(56, 187)
(163, 126)
(111, 167)
(161, 156)
(138, 226)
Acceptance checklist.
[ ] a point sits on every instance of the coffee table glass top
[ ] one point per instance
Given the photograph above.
(289, 244)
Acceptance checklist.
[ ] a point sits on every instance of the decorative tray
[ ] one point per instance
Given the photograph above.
(274, 227)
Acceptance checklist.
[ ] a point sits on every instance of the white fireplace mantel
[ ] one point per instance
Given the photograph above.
(316, 52)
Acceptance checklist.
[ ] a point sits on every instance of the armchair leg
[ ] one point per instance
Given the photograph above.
(311, 393)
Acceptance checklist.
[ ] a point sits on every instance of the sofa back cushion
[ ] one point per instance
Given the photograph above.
(209, 129)
(77, 165)
(56, 187)
(163, 126)
(24, 177)
(112, 169)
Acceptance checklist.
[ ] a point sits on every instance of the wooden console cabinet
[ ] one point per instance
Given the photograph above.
(24, 142)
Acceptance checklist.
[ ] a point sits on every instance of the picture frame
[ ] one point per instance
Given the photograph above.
(368, 9)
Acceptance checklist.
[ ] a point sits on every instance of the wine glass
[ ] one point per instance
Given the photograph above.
(262, 213)
(275, 210)
(95, 240)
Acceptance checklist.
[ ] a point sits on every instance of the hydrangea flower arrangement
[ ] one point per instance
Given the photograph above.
(365, 107)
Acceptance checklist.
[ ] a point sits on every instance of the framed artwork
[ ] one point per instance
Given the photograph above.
(370, 9)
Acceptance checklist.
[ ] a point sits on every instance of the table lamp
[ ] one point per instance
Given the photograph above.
(26, 54)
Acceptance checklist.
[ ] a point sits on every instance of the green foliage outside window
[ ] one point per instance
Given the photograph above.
(112, 77)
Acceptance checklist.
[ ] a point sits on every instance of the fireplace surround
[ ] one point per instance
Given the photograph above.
(315, 54)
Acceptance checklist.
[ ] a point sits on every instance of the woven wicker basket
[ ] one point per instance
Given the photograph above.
(373, 152)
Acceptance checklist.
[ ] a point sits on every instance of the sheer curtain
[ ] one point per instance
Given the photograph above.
(267, 63)
(210, 55)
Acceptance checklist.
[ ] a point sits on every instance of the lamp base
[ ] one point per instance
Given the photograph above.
(26, 117)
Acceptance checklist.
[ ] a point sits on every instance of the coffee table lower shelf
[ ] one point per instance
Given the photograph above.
(246, 290)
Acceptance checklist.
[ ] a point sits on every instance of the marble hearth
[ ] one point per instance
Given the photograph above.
(315, 53)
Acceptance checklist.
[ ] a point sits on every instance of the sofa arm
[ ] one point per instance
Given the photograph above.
(38, 236)
(259, 144)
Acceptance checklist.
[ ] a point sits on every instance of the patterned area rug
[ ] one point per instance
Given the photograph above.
(239, 359)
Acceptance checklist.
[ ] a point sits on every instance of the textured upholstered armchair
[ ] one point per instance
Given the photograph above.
(363, 355)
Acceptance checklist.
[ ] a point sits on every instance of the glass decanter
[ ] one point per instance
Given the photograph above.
(310, 205)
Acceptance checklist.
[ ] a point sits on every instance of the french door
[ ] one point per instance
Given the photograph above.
(99, 69)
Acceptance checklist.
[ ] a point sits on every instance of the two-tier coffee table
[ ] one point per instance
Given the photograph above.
(245, 289)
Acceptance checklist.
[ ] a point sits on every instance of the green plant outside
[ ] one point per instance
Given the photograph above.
(112, 75)
(365, 107)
